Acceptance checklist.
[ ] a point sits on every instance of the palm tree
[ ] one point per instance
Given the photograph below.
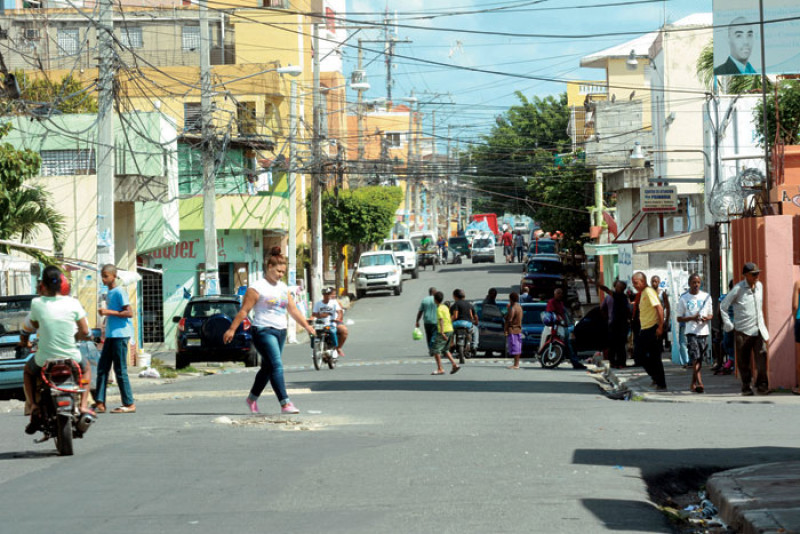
(732, 85)
(24, 209)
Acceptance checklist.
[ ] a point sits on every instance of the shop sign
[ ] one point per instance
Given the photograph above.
(659, 199)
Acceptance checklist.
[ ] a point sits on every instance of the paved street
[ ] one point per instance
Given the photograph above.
(381, 445)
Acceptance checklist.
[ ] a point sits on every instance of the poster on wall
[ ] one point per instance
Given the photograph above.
(737, 37)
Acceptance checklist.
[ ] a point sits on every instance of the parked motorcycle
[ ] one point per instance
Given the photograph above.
(323, 349)
(58, 390)
(463, 343)
(553, 347)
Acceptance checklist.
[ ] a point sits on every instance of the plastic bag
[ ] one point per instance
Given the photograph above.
(417, 335)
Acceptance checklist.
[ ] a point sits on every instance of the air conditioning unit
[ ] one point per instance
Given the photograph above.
(3, 34)
(31, 34)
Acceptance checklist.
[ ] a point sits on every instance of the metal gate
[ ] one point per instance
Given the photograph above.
(152, 306)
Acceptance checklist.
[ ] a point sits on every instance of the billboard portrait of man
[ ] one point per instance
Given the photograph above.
(741, 36)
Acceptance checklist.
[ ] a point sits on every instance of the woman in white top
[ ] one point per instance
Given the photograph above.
(270, 300)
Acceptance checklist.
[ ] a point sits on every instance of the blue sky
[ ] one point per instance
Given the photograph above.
(468, 100)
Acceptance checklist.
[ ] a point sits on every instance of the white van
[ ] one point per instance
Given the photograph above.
(483, 248)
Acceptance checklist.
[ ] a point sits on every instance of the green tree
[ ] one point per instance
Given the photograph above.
(362, 216)
(24, 209)
(789, 110)
(67, 95)
(524, 166)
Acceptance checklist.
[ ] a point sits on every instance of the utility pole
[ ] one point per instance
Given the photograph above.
(411, 101)
(208, 144)
(360, 117)
(316, 170)
(105, 137)
(292, 185)
(389, 46)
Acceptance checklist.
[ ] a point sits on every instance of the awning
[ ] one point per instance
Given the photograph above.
(697, 241)
(600, 249)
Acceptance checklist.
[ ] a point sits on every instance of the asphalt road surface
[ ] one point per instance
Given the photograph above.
(380, 445)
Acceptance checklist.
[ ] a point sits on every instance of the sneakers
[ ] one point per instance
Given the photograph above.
(253, 405)
(747, 392)
(289, 409)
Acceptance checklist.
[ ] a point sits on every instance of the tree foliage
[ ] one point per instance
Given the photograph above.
(789, 111)
(24, 209)
(43, 95)
(362, 216)
(526, 158)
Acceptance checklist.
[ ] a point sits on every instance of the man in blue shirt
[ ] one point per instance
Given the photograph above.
(119, 329)
(427, 312)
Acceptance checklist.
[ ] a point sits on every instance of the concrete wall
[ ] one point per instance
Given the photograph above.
(770, 242)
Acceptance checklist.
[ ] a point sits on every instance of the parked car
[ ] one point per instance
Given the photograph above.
(404, 251)
(378, 271)
(543, 275)
(460, 245)
(490, 327)
(483, 248)
(13, 310)
(200, 329)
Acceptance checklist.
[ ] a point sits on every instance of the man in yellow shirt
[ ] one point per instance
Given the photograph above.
(441, 341)
(647, 345)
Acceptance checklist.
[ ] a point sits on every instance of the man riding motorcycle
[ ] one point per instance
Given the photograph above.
(464, 316)
(332, 313)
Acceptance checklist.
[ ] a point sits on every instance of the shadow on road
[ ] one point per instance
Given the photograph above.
(28, 455)
(620, 515)
(446, 384)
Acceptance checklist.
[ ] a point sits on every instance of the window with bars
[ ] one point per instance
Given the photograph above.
(191, 38)
(394, 139)
(246, 118)
(68, 40)
(192, 117)
(67, 162)
(131, 37)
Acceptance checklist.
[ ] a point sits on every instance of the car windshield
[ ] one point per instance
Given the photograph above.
(482, 243)
(375, 260)
(399, 246)
(12, 314)
(208, 309)
(544, 267)
(543, 247)
(418, 241)
(458, 241)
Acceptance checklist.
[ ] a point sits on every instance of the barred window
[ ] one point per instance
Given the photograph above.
(192, 117)
(131, 37)
(191, 38)
(67, 162)
(68, 41)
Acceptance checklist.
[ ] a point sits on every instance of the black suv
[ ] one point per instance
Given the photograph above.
(200, 330)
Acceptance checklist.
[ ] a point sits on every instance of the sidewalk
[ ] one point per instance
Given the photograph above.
(762, 498)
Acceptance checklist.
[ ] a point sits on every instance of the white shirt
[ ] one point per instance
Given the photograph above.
(331, 307)
(270, 308)
(690, 305)
(747, 310)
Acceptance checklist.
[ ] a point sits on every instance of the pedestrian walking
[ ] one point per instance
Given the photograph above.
(271, 301)
(647, 344)
(749, 327)
(427, 312)
(444, 336)
(519, 245)
(618, 310)
(663, 297)
(119, 329)
(508, 243)
(491, 297)
(512, 328)
(695, 310)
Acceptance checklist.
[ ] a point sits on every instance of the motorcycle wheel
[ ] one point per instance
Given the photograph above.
(331, 360)
(64, 434)
(551, 355)
(461, 353)
(316, 353)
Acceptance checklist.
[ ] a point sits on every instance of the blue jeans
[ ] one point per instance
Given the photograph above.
(115, 352)
(269, 343)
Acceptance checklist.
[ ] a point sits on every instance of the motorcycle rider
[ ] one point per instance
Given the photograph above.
(556, 305)
(332, 313)
(59, 321)
(464, 316)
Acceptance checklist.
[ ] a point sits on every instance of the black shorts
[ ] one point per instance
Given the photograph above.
(696, 346)
(797, 330)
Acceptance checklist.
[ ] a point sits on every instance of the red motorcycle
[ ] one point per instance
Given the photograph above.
(553, 347)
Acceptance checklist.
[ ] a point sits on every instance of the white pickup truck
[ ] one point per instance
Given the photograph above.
(403, 250)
